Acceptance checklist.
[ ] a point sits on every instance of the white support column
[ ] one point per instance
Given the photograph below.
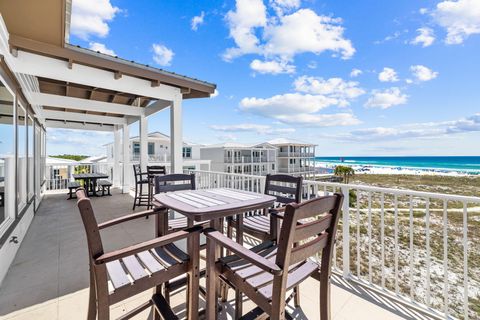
(176, 135)
(117, 174)
(143, 128)
(126, 159)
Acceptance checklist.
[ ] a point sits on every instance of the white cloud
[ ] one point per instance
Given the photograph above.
(251, 127)
(283, 6)
(461, 19)
(386, 98)
(215, 94)
(286, 104)
(162, 55)
(355, 73)
(321, 120)
(423, 10)
(313, 94)
(197, 21)
(414, 130)
(388, 75)
(312, 65)
(422, 73)
(283, 36)
(248, 15)
(91, 17)
(100, 47)
(425, 37)
(83, 142)
(271, 67)
(336, 88)
(305, 31)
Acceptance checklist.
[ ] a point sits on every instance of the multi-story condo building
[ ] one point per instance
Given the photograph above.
(259, 159)
(159, 152)
(295, 157)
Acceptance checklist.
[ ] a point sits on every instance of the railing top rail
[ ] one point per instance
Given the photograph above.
(421, 194)
(406, 192)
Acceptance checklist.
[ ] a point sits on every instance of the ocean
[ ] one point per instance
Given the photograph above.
(460, 164)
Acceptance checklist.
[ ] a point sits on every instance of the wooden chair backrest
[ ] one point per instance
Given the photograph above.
(285, 188)
(136, 172)
(155, 170)
(95, 246)
(316, 233)
(174, 182)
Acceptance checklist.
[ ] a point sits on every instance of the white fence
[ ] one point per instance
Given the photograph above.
(58, 175)
(418, 247)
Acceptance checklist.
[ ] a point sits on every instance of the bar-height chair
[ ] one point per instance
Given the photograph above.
(286, 189)
(141, 179)
(266, 272)
(175, 182)
(152, 172)
(136, 268)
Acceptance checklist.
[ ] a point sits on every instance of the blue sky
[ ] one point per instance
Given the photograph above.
(357, 78)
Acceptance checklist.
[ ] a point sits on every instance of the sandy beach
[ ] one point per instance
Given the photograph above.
(388, 170)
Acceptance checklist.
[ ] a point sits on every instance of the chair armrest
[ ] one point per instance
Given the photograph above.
(243, 252)
(129, 217)
(147, 245)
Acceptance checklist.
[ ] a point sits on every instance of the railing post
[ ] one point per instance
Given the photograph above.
(346, 231)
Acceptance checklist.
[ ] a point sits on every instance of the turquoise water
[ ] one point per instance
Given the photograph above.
(470, 164)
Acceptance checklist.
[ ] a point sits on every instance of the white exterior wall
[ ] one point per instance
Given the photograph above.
(240, 160)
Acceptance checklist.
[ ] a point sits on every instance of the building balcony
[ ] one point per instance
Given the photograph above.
(296, 154)
(394, 257)
(248, 159)
(296, 169)
(49, 277)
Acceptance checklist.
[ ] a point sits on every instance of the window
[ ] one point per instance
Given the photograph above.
(151, 148)
(21, 157)
(273, 166)
(30, 157)
(187, 152)
(7, 159)
(136, 148)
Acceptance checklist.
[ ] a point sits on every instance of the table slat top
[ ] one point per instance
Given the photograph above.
(207, 204)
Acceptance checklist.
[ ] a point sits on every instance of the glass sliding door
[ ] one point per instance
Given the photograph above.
(7, 157)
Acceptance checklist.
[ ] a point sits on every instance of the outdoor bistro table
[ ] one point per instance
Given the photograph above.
(207, 205)
(90, 177)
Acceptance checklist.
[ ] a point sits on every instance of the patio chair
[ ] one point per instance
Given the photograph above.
(153, 171)
(286, 189)
(141, 179)
(266, 272)
(123, 273)
(175, 182)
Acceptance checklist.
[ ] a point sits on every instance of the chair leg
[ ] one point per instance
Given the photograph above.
(136, 195)
(92, 299)
(103, 308)
(296, 297)
(325, 311)
(238, 304)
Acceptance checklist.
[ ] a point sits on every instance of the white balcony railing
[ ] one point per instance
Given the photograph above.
(58, 175)
(416, 247)
(296, 154)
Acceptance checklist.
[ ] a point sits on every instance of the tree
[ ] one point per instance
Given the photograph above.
(345, 172)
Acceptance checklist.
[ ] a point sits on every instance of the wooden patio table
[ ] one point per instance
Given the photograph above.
(87, 177)
(207, 205)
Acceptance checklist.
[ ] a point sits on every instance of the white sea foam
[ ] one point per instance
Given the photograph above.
(379, 169)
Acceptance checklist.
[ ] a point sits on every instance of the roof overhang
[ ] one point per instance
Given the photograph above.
(69, 86)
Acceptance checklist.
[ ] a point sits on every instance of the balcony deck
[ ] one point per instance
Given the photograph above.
(49, 277)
